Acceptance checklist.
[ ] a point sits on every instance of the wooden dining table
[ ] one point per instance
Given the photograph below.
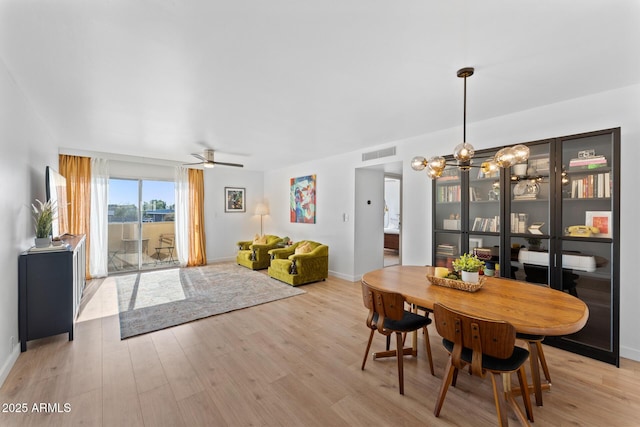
(531, 309)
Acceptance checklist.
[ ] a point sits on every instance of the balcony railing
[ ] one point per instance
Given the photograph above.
(158, 247)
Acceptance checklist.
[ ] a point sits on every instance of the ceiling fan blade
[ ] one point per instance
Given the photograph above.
(238, 165)
(199, 156)
(191, 164)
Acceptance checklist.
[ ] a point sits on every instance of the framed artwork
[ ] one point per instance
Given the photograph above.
(474, 243)
(601, 220)
(303, 199)
(235, 199)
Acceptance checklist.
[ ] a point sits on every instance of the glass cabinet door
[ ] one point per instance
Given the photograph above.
(447, 217)
(529, 221)
(483, 218)
(587, 233)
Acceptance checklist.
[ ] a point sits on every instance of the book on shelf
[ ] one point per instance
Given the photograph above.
(584, 161)
(596, 185)
(448, 193)
(486, 224)
(587, 163)
(446, 249)
(519, 222)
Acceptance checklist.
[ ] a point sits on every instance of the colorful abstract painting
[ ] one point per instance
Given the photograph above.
(303, 199)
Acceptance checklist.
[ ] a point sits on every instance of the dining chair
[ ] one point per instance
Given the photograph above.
(387, 315)
(488, 346)
(536, 359)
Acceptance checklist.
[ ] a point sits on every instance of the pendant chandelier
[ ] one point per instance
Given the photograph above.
(463, 153)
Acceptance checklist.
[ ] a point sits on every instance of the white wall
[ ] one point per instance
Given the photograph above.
(368, 220)
(335, 180)
(27, 148)
(224, 229)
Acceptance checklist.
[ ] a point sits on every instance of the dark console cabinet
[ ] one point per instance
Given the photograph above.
(50, 288)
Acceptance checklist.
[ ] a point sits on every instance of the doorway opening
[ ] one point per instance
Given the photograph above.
(392, 219)
(141, 221)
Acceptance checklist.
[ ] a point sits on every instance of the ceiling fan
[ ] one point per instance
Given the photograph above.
(208, 162)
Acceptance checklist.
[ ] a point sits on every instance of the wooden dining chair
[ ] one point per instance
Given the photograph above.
(488, 346)
(536, 359)
(387, 315)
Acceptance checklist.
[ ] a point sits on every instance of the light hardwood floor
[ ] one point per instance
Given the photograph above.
(293, 362)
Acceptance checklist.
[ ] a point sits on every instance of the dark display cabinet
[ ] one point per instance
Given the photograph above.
(552, 221)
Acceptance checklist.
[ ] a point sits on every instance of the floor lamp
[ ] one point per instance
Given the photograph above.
(262, 210)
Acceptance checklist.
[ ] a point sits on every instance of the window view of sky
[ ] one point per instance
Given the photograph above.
(125, 191)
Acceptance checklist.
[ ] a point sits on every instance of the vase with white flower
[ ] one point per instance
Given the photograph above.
(43, 216)
(469, 267)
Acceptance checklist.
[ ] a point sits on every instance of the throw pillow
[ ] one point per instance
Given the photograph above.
(305, 248)
(260, 240)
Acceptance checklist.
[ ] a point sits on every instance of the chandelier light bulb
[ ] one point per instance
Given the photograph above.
(463, 152)
(434, 173)
(437, 163)
(506, 157)
(521, 153)
(418, 163)
(488, 167)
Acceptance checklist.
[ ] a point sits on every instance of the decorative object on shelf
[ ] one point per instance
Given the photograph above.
(526, 190)
(43, 215)
(494, 193)
(469, 266)
(457, 284)
(262, 209)
(520, 169)
(464, 152)
(485, 254)
(536, 228)
(600, 220)
(581, 231)
(234, 199)
(534, 243)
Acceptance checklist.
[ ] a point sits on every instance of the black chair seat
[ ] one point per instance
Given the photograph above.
(409, 322)
(528, 337)
(518, 357)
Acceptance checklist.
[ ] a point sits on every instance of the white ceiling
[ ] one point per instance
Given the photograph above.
(270, 83)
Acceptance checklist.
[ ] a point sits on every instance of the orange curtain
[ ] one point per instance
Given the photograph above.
(197, 242)
(77, 171)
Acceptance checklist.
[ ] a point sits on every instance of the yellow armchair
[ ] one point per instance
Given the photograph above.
(298, 269)
(256, 255)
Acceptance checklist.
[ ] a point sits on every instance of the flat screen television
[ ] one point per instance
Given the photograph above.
(56, 186)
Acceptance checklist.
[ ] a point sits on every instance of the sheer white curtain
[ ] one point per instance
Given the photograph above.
(98, 254)
(182, 214)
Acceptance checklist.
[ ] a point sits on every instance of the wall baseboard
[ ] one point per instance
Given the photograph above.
(344, 276)
(8, 364)
(630, 353)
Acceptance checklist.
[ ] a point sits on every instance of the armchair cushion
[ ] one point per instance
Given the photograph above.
(256, 255)
(303, 249)
(294, 268)
(257, 240)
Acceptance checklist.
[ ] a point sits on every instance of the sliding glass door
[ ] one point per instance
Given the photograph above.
(141, 225)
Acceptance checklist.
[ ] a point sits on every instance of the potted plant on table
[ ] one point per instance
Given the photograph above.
(469, 267)
(43, 215)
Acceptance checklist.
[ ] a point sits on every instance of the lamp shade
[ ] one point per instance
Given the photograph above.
(262, 209)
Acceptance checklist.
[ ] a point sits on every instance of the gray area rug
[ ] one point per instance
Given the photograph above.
(152, 300)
